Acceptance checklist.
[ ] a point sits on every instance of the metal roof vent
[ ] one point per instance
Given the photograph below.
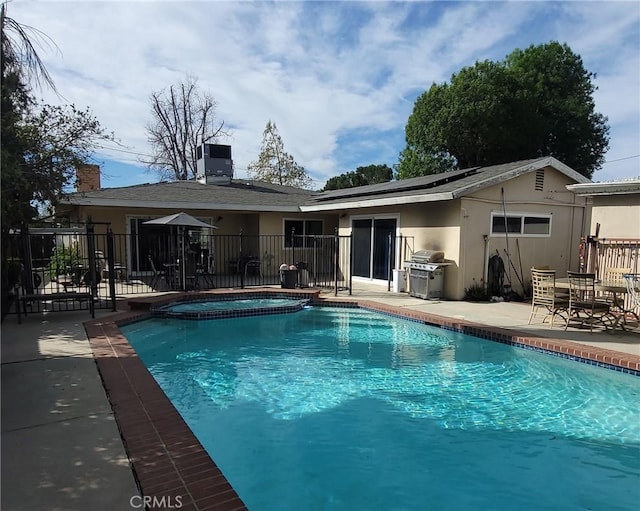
(539, 180)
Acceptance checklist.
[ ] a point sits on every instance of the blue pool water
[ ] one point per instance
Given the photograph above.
(345, 409)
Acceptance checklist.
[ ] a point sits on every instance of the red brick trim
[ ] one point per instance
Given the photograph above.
(169, 463)
(168, 460)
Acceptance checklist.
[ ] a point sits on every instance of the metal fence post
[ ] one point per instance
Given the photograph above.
(239, 265)
(350, 264)
(336, 255)
(110, 264)
(93, 284)
(389, 253)
(27, 269)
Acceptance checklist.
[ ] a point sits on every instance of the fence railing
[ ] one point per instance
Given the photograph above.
(80, 260)
(597, 255)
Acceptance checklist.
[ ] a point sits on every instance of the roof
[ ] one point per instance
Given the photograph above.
(620, 187)
(239, 194)
(434, 187)
(260, 196)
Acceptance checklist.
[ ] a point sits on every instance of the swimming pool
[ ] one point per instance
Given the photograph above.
(346, 409)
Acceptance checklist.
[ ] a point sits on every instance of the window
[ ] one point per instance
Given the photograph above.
(299, 229)
(521, 224)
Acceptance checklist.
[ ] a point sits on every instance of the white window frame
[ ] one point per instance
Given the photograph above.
(523, 217)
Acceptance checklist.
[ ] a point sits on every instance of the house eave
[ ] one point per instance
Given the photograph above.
(611, 188)
(370, 203)
(207, 206)
(364, 202)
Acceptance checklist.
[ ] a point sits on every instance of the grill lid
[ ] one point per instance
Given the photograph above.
(428, 256)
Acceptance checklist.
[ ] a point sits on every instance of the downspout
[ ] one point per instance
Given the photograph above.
(506, 234)
(485, 271)
(463, 238)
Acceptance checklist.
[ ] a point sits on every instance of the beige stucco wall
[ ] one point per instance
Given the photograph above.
(618, 216)
(559, 251)
(459, 227)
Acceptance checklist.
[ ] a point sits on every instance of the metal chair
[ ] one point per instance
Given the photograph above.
(546, 296)
(252, 267)
(156, 275)
(584, 307)
(615, 276)
(632, 282)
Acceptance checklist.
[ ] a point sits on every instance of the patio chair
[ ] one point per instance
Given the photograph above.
(205, 276)
(546, 296)
(615, 277)
(584, 307)
(156, 275)
(632, 282)
(252, 267)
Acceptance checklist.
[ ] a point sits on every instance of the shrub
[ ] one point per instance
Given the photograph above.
(63, 259)
(476, 292)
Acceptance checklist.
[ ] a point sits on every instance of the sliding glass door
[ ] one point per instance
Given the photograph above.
(373, 254)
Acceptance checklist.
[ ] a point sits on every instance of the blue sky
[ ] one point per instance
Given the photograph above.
(339, 79)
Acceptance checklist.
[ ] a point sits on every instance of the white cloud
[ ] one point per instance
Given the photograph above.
(336, 78)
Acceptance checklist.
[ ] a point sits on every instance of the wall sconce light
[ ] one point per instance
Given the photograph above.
(218, 219)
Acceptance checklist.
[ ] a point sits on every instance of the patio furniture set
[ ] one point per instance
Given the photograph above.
(583, 300)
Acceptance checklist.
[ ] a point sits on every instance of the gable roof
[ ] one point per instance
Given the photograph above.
(435, 187)
(238, 195)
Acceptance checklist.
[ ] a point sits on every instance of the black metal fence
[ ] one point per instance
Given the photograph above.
(188, 260)
(71, 262)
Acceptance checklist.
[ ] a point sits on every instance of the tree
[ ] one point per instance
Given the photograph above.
(184, 117)
(20, 60)
(537, 102)
(57, 140)
(41, 146)
(274, 165)
(369, 175)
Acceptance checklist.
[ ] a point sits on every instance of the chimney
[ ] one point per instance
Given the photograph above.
(87, 178)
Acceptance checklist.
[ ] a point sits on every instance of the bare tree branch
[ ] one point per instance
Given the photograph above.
(183, 118)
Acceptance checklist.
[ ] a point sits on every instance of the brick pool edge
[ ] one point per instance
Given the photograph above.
(167, 459)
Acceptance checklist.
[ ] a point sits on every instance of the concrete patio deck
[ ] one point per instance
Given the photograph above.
(61, 446)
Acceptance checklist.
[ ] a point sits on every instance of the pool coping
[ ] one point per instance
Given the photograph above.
(169, 463)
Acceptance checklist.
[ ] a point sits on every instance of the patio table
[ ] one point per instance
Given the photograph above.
(616, 289)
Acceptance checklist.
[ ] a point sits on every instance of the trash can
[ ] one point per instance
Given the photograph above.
(399, 281)
(288, 278)
(303, 274)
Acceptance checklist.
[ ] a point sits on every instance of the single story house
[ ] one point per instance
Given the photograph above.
(521, 211)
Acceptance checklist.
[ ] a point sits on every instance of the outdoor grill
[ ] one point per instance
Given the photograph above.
(426, 274)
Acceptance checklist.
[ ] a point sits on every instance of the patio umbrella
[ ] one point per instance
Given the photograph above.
(181, 220)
